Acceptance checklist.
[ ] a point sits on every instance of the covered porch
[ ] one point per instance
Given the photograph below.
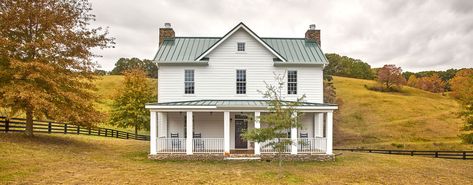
(214, 127)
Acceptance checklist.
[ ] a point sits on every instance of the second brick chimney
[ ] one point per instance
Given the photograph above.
(166, 33)
(313, 35)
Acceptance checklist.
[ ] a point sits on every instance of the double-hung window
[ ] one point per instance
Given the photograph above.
(241, 81)
(189, 81)
(240, 46)
(291, 82)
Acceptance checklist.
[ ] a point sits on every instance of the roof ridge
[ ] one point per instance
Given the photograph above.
(195, 37)
(295, 38)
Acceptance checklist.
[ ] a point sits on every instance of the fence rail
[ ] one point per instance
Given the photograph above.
(50, 127)
(208, 145)
(432, 153)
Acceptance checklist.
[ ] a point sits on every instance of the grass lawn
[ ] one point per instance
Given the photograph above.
(71, 159)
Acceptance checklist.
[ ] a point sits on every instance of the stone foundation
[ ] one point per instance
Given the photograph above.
(194, 157)
(264, 157)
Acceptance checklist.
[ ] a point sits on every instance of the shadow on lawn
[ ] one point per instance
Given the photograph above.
(46, 140)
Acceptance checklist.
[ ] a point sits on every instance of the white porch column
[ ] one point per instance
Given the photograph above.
(318, 124)
(190, 133)
(257, 125)
(226, 132)
(294, 137)
(162, 125)
(153, 133)
(329, 132)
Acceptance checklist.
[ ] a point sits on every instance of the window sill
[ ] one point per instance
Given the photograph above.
(189, 95)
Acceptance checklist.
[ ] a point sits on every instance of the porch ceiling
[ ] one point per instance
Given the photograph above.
(233, 104)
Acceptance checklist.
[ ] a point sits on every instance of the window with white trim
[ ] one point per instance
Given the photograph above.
(291, 82)
(240, 46)
(241, 81)
(189, 81)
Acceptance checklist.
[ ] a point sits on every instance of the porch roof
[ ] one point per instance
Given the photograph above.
(228, 104)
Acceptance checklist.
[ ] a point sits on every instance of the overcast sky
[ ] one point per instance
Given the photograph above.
(416, 35)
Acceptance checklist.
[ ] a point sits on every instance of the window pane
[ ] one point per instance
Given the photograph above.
(241, 82)
(240, 46)
(292, 82)
(189, 82)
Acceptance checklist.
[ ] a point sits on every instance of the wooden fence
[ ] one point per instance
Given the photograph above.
(430, 153)
(39, 126)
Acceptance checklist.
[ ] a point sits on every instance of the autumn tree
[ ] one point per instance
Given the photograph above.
(431, 83)
(281, 117)
(390, 76)
(412, 81)
(46, 67)
(462, 90)
(128, 109)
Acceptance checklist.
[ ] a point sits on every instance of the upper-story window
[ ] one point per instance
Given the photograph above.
(241, 81)
(240, 46)
(291, 82)
(189, 81)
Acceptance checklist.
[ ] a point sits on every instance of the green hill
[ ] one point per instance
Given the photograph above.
(411, 119)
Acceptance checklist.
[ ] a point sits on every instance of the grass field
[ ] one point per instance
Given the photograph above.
(413, 119)
(72, 159)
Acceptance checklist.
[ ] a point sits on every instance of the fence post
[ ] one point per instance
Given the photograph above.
(412, 153)
(117, 134)
(464, 155)
(65, 128)
(436, 154)
(49, 127)
(78, 129)
(98, 132)
(127, 135)
(112, 132)
(7, 125)
(90, 131)
(106, 132)
(389, 151)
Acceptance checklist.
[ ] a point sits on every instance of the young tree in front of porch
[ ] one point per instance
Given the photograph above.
(282, 116)
(46, 67)
(128, 109)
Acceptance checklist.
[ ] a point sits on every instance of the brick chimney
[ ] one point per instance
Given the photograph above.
(313, 35)
(166, 33)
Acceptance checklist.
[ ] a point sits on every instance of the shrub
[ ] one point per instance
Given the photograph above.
(467, 138)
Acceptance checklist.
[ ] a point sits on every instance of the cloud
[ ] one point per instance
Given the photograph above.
(416, 35)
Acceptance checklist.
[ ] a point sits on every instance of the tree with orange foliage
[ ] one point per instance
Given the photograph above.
(46, 67)
(462, 89)
(391, 76)
(431, 83)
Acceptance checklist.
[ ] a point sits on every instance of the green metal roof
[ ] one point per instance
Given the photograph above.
(232, 103)
(188, 49)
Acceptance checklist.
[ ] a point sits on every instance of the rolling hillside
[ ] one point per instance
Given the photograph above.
(412, 119)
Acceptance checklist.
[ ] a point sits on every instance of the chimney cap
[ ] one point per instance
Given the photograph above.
(312, 27)
(167, 25)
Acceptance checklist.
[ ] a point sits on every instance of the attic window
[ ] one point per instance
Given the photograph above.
(240, 46)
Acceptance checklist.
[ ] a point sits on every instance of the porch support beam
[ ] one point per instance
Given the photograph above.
(153, 133)
(226, 132)
(257, 125)
(318, 124)
(294, 137)
(328, 132)
(190, 134)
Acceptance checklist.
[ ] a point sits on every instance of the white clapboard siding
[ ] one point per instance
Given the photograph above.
(218, 79)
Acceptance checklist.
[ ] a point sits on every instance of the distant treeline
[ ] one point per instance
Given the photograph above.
(124, 64)
(347, 67)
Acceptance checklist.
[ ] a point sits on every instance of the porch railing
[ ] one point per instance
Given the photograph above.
(312, 145)
(208, 145)
(266, 148)
(171, 145)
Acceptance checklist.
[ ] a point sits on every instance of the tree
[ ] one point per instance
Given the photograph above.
(128, 109)
(390, 76)
(431, 83)
(124, 64)
(46, 67)
(462, 90)
(281, 118)
(347, 67)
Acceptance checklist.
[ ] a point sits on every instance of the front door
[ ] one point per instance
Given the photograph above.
(240, 127)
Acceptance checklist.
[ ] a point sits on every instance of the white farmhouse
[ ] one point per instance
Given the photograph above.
(208, 92)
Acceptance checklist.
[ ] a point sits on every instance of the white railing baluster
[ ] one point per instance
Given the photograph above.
(208, 145)
(312, 145)
(171, 145)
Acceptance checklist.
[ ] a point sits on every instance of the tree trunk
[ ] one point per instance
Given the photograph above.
(29, 123)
